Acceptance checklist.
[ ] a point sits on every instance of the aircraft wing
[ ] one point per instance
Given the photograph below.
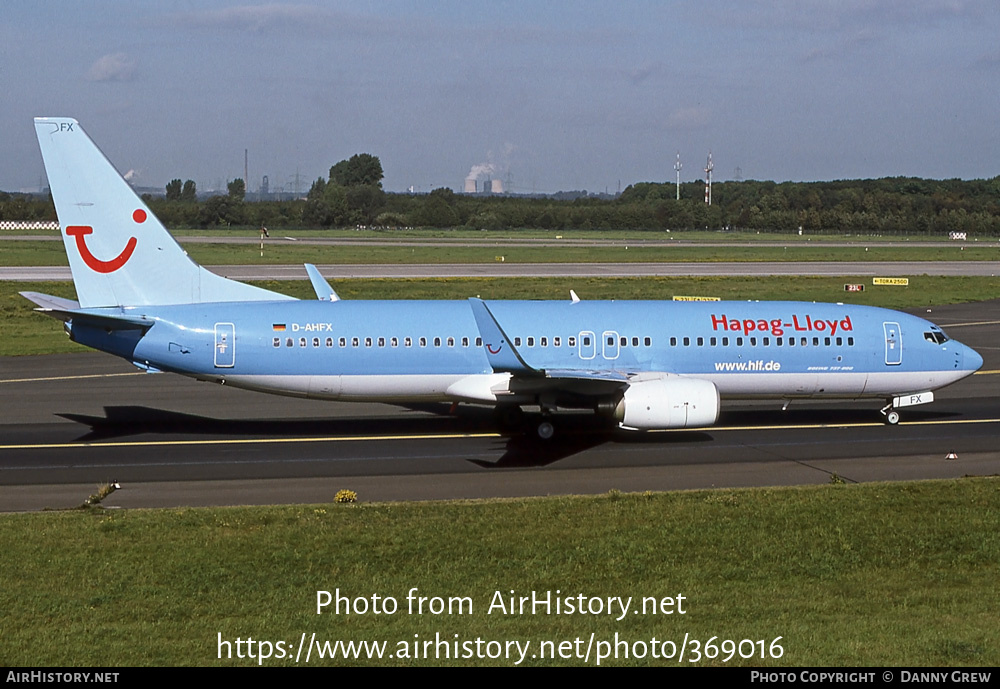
(505, 359)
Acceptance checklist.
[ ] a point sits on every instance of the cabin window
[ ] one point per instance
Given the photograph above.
(586, 341)
(779, 341)
(648, 341)
(394, 342)
(753, 341)
(531, 342)
(315, 342)
(479, 342)
(826, 341)
(623, 342)
(329, 342)
(517, 341)
(850, 342)
(288, 342)
(437, 341)
(407, 342)
(342, 342)
(368, 342)
(673, 341)
(277, 342)
(791, 341)
(465, 342)
(355, 342)
(302, 342)
(687, 341)
(713, 341)
(556, 341)
(725, 342)
(544, 342)
(423, 341)
(840, 342)
(381, 342)
(451, 341)
(739, 341)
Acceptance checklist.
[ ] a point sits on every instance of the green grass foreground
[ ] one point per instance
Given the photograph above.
(27, 332)
(846, 575)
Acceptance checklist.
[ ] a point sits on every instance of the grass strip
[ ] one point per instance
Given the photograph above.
(846, 575)
(279, 251)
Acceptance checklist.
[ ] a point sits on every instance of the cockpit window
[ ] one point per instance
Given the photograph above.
(936, 336)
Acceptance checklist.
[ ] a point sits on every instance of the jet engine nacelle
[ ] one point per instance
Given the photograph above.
(673, 402)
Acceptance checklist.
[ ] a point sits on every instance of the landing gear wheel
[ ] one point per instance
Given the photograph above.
(892, 417)
(546, 430)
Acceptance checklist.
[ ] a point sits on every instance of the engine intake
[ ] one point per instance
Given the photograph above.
(672, 402)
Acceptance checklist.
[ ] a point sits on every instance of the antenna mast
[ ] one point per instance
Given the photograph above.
(708, 180)
(677, 167)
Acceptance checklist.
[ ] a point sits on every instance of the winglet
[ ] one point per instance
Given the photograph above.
(572, 295)
(322, 288)
(500, 351)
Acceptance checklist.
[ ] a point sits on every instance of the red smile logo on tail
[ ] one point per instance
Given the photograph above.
(94, 263)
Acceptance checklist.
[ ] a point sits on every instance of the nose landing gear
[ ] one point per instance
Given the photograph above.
(890, 414)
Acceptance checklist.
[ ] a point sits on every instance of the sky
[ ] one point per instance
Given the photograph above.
(546, 96)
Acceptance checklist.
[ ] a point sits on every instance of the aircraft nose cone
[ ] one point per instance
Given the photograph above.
(973, 361)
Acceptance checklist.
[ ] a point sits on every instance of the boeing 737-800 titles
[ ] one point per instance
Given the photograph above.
(647, 364)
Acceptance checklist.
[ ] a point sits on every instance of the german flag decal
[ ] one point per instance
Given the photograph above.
(278, 327)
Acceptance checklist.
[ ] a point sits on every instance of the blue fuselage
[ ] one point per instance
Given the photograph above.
(417, 349)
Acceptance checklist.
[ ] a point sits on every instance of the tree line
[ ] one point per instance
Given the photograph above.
(352, 195)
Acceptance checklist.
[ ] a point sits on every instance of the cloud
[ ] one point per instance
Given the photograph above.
(989, 60)
(258, 18)
(112, 67)
(644, 71)
(688, 118)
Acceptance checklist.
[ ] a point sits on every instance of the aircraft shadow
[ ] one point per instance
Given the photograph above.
(575, 433)
(125, 421)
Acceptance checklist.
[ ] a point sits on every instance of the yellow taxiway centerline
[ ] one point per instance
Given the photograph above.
(93, 375)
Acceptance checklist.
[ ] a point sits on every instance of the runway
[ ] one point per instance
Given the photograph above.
(72, 422)
(348, 271)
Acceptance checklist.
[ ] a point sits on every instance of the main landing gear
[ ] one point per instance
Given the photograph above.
(545, 429)
(510, 417)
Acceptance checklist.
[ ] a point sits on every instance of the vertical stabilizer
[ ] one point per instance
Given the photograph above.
(119, 252)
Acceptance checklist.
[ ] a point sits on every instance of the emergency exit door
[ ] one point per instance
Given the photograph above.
(225, 345)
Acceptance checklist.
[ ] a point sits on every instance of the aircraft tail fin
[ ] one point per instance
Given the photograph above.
(119, 252)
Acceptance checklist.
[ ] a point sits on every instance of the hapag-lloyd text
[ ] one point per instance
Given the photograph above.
(777, 326)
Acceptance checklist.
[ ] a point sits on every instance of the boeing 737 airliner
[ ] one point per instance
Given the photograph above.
(647, 364)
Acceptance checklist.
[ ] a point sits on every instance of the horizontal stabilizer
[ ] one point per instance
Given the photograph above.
(49, 303)
(69, 310)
